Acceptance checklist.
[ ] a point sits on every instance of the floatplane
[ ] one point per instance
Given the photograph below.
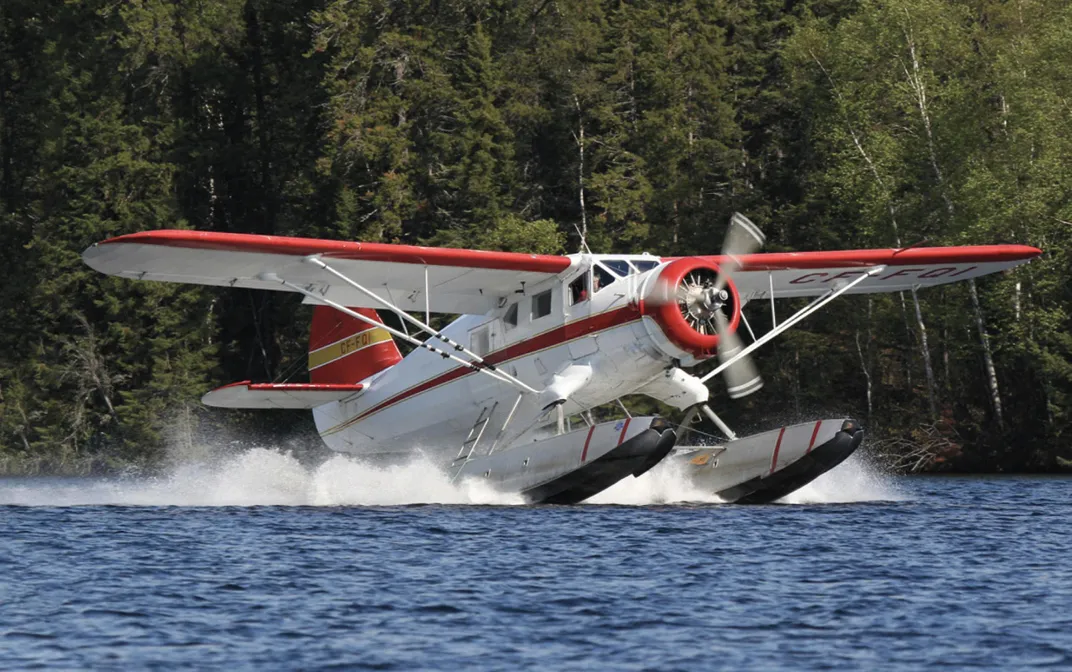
(541, 341)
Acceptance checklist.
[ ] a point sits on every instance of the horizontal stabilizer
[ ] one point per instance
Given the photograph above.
(278, 395)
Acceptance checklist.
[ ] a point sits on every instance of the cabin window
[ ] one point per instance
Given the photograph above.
(480, 341)
(646, 265)
(601, 277)
(541, 305)
(578, 289)
(510, 318)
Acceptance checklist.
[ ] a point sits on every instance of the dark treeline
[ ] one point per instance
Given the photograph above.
(516, 124)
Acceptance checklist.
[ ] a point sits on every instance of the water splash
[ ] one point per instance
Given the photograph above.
(263, 477)
(667, 483)
(854, 480)
(271, 477)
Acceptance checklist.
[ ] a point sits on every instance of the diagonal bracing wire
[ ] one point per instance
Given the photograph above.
(475, 366)
(439, 335)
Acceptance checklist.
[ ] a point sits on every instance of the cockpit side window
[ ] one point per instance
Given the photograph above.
(578, 290)
(601, 277)
(645, 265)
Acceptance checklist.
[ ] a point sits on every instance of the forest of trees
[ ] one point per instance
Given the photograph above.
(515, 124)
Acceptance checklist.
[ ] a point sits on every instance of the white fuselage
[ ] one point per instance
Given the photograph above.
(429, 403)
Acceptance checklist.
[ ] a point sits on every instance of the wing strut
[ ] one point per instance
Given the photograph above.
(317, 261)
(722, 426)
(773, 315)
(475, 366)
(796, 317)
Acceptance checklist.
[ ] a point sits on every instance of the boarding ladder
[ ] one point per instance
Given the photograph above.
(471, 441)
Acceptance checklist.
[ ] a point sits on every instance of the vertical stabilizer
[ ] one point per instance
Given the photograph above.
(346, 350)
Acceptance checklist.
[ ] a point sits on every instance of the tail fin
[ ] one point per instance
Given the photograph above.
(346, 350)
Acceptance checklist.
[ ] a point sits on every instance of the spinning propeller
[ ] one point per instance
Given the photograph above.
(707, 299)
(698, 307)
(742, 237)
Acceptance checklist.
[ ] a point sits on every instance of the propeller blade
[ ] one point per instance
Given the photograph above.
(663, 292)
(742, 237)
(742, 377)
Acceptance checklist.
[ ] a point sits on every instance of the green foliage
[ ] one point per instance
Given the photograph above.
(513, 126)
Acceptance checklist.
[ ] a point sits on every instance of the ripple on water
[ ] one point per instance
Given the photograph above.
(259, 561)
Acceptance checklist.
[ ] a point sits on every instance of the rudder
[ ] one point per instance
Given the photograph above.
(343, 349)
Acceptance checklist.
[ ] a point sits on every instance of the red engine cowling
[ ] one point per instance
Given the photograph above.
(672, 300)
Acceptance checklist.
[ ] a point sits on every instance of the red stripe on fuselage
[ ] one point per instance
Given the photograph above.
(777, 447)
(625, 428)
(814, 433)
(548, 339)
(584, 453)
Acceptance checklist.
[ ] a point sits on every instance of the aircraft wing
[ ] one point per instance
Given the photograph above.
(459, 281)
(794, 274)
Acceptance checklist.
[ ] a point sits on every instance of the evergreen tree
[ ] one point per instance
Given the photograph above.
(523, 126)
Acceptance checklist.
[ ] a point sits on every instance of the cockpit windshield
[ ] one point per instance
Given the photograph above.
(601, 277)
(608, 271)
(626, 267)
(620, 267)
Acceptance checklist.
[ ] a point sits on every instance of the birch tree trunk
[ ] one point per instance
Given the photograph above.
(583, 231)
(915, 81)
(927, 370)
(867, 375)
(991, 373)
(920, 325)
(865, 361)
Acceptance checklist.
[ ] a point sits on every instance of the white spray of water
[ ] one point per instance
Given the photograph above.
(855, 480)
(666, 483)
(267, 477)
(263, 477)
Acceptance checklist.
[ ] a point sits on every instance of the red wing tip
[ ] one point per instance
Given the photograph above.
(1007, 252)
(1017, 252)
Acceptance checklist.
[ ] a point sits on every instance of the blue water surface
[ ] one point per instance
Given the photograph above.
(957, 573)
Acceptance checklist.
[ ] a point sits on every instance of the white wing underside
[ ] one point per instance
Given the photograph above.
(476, 282)
(788, 284)
(459, 285)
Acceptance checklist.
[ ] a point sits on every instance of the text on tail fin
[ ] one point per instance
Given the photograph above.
(346, 350)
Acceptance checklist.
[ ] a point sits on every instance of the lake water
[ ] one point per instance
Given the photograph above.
(260, 562)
